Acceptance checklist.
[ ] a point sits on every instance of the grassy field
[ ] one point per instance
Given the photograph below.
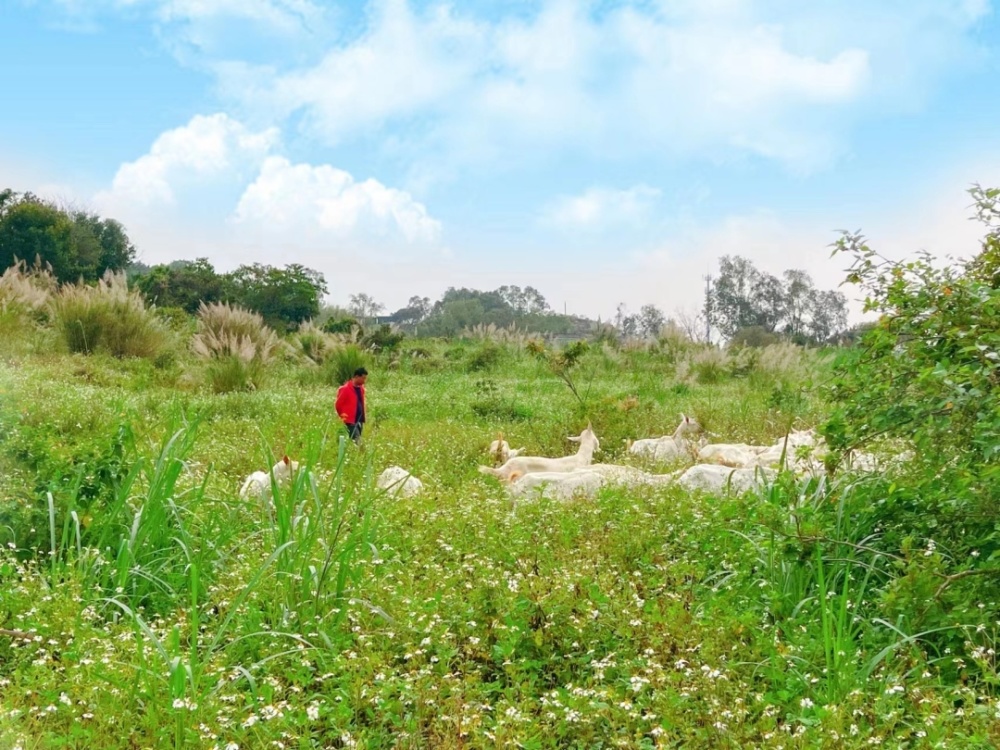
(143, 604)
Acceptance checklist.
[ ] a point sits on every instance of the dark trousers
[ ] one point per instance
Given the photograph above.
(354, 431)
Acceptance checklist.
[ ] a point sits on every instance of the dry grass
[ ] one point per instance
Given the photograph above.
(230, 331)
(107, 317)
(25, 289)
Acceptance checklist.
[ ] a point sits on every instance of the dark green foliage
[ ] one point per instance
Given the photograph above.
(754, 336)
(383, 339)
(182, 284)
(486, 357)
(340, 325)
(490, 404)
(77, 245)
(928, 374)
(283, 297)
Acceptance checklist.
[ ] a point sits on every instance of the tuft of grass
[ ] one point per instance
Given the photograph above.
(236, 344)
(343, 362)
(107, 317)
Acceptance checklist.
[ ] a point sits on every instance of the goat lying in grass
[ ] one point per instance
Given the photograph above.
(517, 467)
(716, 480)
(501, 451)
(735, 455)
(669, 447)
(258, 484)
(585, 481)
(399, 482)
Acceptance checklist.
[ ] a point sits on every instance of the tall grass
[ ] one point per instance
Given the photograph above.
(236, 344)
(343, 362)
(107, 317)
(160, 547)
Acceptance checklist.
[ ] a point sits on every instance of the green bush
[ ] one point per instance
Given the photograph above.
(383, 339)
(485, 357)
(341, 325)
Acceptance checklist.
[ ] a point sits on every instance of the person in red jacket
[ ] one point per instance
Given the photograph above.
(350, 404)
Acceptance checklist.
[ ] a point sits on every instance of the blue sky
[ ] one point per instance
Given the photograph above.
(602, 152)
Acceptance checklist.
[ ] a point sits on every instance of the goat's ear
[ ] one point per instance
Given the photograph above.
(573, 438)
(285, 460)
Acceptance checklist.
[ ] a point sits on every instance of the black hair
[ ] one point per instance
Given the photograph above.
(360, 372)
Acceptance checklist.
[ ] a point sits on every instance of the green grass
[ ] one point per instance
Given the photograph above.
(161, 610)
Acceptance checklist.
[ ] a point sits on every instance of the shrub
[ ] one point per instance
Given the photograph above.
(485, 357)
(341, 325)
(108, 317)
(383, 339)
(707, 365)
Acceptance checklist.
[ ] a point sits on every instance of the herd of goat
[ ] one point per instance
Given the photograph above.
(719, 467)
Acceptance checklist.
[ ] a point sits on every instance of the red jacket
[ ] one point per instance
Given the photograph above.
(347, 402)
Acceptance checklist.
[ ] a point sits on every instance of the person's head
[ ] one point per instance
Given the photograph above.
(360, 376)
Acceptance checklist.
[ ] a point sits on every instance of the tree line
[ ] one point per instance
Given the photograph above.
(742, 303)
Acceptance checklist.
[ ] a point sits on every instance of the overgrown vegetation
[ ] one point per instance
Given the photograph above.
(144, 604)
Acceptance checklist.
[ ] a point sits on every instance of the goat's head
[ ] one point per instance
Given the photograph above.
(587, 437)
(687, 425)
(285, 468)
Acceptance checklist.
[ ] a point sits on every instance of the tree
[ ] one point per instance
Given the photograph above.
(77, 245)
(627, 324)
(33, 229)
(115, 250)
(651, 321)
(183, 284)
(741, 297)
(415, 312)
(527, 301)
(283, 297)
(827, 315)
(364, 307)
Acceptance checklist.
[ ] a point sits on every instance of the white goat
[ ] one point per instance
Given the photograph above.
(586, 481)
(501, 451)
(399, 482)
(789, 446)
(258, 484)
(517, 467)
(668, 447)
(736, 455)
(716, 479)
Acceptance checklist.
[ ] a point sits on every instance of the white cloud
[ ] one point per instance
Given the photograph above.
(600, 208)
(322, 201)
(711, 79)
(284, 15)
(208, 146)
(196, 30)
